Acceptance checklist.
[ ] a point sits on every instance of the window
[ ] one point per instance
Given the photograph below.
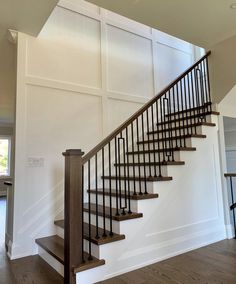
(5, 146)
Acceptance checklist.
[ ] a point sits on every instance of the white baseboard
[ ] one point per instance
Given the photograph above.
(229, 231)
(200, 240)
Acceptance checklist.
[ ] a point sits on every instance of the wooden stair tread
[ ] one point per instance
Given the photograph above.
(54, 245)
(150, 179)
(192, 109)
(102, 239)
(132, 195)
(181, 118)
(115, 217)
(211, 124)
(163, 150)
(173, 138)
(168, 163)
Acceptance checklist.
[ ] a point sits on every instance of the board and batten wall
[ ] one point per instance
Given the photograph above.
(87, 71)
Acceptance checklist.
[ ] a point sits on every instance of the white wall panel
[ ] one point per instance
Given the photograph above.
(171, 62)
(129, 63)
(119, 111)
(68, 49)
(86, 73)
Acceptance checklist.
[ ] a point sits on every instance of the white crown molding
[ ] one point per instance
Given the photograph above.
(12, 36)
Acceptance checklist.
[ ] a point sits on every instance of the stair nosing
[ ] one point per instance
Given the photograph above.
(101, 241)
(132, 196)
(148, 179)
(119, 218)
(188, 149)
(174, 163)
(209, 124)
(189, 136)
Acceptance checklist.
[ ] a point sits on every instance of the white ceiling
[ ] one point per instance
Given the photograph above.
(202, 22)
(27, 16)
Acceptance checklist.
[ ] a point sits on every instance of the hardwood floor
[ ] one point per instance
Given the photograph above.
(28, 270)
(212, 264)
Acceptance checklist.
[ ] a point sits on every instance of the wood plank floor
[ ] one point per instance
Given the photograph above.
(28, 270)
(214, 264)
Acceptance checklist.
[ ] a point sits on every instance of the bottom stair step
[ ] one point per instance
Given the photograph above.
(102, 240)
(54, 245)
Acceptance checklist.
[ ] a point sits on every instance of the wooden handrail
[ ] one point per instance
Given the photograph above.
(230, 175)
(105, 141)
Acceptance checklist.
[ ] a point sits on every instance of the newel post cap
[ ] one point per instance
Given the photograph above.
(73, 152)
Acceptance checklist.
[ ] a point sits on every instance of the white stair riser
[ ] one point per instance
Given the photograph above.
(161, 145)
(140, 157)
(137, 185)
(134, 171)
(183, 121)
(115, 224)
(133, 203)
(94, 247)
(177, 132)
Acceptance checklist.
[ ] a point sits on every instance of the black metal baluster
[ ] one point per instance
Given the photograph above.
(194, 101)
(170, 125)
(154, 143)
(159, 140)
(167, 128)
(163, 135)
(116, 172)
(186, 109)
(182, 102)
(179, 115)
(197, 96)
(82, 244)
(204, 89)
(103, 196)
(119, 174)
(96, 187)
(148, 141)
(125, 179)
(132, 138)
(203, 118)
(89, 212)
(139, 169)
(232, 196)
(190, 105)
(128, 172)
(175, 120)
(209, 86)
(110, 195)
(144, 159)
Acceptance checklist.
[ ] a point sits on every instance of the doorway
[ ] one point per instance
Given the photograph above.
(230, 159)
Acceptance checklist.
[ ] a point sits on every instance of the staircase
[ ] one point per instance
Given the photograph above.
(106, 187)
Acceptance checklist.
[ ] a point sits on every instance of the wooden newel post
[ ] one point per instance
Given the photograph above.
(73, 254)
